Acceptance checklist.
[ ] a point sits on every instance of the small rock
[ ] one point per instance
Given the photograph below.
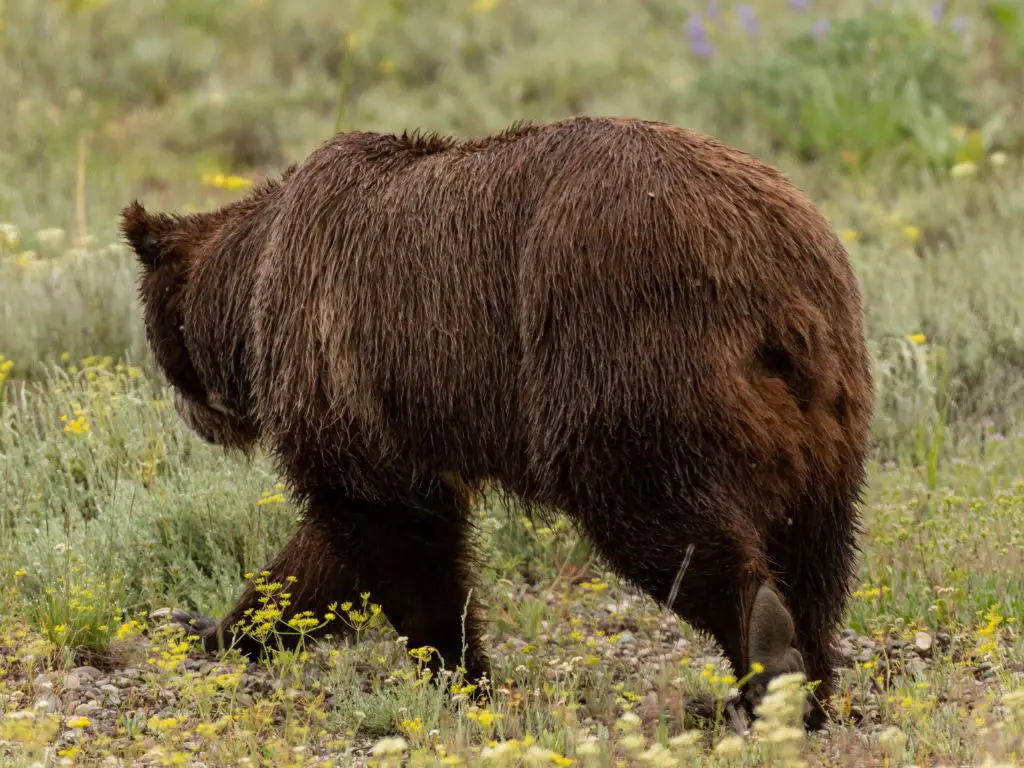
(87, 708)
(46, 703)
(72, 682)
(109, 688)
(87, 673)
(916, 666)
(846, 650)
(625, 637)
(44, 681)
(923, 642)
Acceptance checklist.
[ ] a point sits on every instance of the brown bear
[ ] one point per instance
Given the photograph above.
(622, 319)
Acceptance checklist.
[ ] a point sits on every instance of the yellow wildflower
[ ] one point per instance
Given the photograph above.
(849, 235)
(916, 338)
(483, 6)
(222, 181)
(78, 722)
(912, 233)
(270, 498)
(158, 724)
(960, 170)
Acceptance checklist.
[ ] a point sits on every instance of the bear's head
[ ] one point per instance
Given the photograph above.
(178, 314)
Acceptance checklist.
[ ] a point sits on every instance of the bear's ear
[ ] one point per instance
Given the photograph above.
(137, 228)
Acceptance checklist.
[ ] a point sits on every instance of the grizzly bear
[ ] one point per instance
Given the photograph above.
(628, 321)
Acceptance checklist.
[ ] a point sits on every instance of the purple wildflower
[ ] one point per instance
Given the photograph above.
(714, 12)
(694, 26)
(819, 29)
(748, 18)
(702, 49)
(959, 25)
(695, 31)
(799, 5)
(938, 11)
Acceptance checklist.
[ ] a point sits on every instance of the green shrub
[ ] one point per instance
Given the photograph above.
(886, 84)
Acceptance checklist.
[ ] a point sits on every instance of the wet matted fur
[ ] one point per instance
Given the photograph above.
(622, 319)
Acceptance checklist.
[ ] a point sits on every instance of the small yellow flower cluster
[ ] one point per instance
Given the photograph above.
(272, 497)
(595, 585)
(867, 592)
(225, 181)
(305, 621)
(715, 679)
(128, 629)
(482, 717)
(28, 728)
(5, 368)
(79, 425)
(161, 724)
(173, 656)
(988, 633)
(412, 727)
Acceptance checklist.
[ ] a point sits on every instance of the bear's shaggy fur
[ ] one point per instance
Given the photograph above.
(625, 320)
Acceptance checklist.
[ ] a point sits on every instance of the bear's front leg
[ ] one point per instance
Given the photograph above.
(413, 559)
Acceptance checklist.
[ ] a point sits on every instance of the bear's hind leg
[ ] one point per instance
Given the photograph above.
(725, 588)
(814, 562)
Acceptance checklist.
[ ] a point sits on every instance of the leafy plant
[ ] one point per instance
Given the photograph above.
(884, 84)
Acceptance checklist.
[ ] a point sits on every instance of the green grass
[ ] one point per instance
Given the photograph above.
(907, 132)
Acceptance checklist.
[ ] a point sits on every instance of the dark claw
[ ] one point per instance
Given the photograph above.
(196, 624)
(703, 710)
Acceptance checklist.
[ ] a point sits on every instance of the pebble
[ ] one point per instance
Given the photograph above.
(846, 650)
(46, 703)
(72, 682)
(44, 680)
(87, 708)
(923, 642)
(87, 673)
(916, 666)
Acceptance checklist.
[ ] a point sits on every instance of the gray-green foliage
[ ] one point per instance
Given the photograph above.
(885, 84)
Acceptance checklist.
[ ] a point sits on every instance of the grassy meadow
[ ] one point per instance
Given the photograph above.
(903, 120)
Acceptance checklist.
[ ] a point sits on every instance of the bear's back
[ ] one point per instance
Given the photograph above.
(484, 304)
